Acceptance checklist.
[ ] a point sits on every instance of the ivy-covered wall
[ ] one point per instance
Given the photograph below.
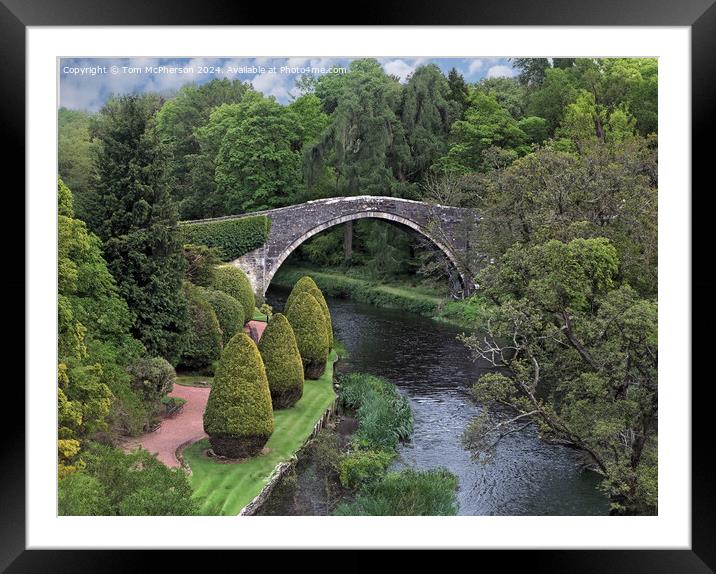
(233, 237)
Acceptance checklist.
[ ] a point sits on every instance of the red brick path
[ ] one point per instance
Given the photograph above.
(187, 426)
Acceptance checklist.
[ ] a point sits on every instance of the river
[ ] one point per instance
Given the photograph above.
(434, 370)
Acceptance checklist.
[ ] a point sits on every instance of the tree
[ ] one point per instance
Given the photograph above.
(282, 360)
(238, 416)
(508, 92)
(75, 148)
(134, 216)
(177, 123)
(575, 353)
(94, 342)
(532, 70)
(309, 325)
(229, 311)
(459, 92)
(608, 191)
(365, 143)
(426, 114)
(557, 91)
(201, 343)
(255, 148)
(486, 125)
(234, 282)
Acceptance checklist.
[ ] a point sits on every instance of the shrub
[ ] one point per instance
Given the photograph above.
(81, 495)
(233, 237)
(406, 493)
(282, 361)
(229, 311)
(126, 484)
(306, 284)
(238, 416)
(384, 415)
(363, 466)
(326, 313)
(201, 343)
(154, 377)
(309, 326)
(200, 261)
(234, 281)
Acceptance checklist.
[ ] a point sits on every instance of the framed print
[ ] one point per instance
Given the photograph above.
(399, 284)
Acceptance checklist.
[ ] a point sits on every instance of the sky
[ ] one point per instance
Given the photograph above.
(87, 83)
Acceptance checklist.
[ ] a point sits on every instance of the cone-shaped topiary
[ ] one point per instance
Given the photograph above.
(229, 312)
(282, 360)
(307, 285)
(318, 295)
(233, 281)
(238, 416)
(201, 342)
(309, 326)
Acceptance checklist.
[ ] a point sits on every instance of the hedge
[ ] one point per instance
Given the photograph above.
(238, 416)
(309, 326)
(233, 237)
(234, 281)
(201, 342)
(229, 311)
(282, 360)
(306, 284)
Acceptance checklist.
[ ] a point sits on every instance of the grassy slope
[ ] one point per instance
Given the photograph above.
(396, 295)
(230, 487)
(468, 314)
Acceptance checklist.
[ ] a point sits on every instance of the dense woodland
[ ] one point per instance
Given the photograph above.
(561, 163)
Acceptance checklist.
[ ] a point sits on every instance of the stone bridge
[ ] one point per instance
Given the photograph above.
(444, 227)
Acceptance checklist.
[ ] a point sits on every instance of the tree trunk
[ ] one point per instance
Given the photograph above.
(348, 240)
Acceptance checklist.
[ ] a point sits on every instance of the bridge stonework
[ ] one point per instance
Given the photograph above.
(292, 225)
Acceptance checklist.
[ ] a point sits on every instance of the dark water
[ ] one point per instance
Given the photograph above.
(434, 370)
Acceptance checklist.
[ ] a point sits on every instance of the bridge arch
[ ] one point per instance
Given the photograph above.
(353, 217)
(442, 226)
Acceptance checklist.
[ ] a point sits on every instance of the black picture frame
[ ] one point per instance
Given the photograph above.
(699, 15)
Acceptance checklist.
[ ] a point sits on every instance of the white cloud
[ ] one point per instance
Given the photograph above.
(475, 65)
(272, 85)
(401, 68)
(500, 72)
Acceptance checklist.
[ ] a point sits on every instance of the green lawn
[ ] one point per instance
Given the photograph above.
(259, 316)
(230, 487)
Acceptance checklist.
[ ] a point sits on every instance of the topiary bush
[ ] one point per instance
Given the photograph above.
(238, 416)
(309, 326)
(318, 295)
(229, 311)
(282, 360)
(306, 284)
(234, 281)
(233, 237)
(201, 344)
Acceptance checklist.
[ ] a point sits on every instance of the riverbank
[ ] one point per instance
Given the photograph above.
(435, 371)
(397, 294)
(227, 488)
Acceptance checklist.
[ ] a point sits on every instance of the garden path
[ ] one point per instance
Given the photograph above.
(186, 426)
